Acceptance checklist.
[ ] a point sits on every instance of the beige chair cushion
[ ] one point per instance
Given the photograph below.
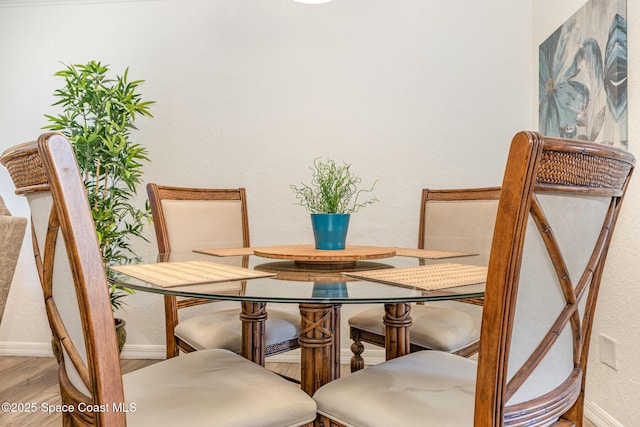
(223, 329)
(429, 388)
(214, 388)
(463, 225)
(203, 224)
(12, 230)
(439, 325)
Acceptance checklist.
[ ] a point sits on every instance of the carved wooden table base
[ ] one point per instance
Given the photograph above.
(317, 339)
(320, 338)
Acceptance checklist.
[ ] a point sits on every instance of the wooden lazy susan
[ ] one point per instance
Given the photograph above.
(305, 262)
(308, 253)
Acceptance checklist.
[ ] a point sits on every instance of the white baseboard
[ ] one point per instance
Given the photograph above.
(371, 357)
(39, 349)
(31, 349)
(148, 351)
(599, 416)
(139, 351)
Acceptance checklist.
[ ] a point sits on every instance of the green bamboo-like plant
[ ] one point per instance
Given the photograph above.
(333, 189)
(97, 116)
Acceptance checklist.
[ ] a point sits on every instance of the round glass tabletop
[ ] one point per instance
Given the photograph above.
(291, 282)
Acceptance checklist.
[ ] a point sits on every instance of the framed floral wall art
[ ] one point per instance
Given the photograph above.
(583, 75)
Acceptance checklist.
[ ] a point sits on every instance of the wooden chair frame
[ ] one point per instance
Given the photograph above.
(75, 287)
(540, 166)
(444, 195)
(158, 193)
(537, 165)
(428, 195)
(450, 195)
(70, 218)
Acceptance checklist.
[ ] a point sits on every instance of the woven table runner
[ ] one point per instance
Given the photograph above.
(429, 277)
(168, 274)
(429, 254)
(226, 251)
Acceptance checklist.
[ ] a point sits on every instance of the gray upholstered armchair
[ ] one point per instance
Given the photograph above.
(11, 233)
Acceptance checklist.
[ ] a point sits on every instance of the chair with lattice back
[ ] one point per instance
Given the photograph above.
(558, 206)
(209, 387)
(188, 219)
(456, 220)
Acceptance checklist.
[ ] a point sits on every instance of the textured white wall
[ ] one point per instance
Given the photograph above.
(611, 396)
(250, 92)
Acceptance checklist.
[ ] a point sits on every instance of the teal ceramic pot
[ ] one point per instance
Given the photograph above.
(330, 290)
(330, 230)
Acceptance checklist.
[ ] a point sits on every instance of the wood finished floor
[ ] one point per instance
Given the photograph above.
(34, 379)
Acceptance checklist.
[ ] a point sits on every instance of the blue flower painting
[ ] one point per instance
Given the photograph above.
(583, 76)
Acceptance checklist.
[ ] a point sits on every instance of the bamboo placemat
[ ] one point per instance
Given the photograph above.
(168, 274)
(429, 277)
(226, 251)
(429, 254)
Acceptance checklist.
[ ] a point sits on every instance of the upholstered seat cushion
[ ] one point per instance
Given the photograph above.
(214, 388)
(428, 388)
(223, 329)
(439, 325)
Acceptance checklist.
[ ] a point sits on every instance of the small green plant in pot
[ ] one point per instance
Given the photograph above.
(97, 116)
(331, 197)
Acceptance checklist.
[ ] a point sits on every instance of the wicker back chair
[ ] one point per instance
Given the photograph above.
(558, 207)
(11, 234)
(201, 218)
(213, 387)
(459, 220)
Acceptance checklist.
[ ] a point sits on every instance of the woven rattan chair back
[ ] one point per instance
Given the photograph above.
(72, 276)
(559, 203)
(187, 219)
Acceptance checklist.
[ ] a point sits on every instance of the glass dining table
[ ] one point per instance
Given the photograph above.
(319, 287)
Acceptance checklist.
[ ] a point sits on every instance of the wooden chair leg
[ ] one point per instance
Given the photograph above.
(172, 348)
(67, 421)
(564, 423)
(322, 421)
(575, 415)
(357, 362)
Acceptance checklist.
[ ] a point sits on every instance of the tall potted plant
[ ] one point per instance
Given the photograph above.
(98, 115)
(331, 197)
